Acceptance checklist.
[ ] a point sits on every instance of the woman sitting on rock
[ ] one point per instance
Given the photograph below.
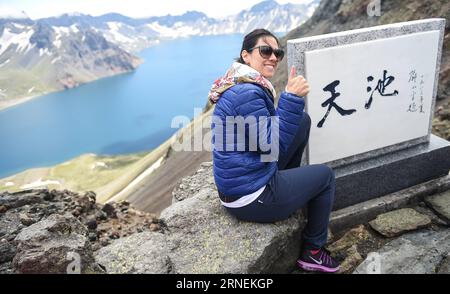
(251, 187)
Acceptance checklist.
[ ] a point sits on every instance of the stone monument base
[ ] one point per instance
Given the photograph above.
(375, 177)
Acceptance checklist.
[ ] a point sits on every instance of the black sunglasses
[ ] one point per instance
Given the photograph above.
(266, 51)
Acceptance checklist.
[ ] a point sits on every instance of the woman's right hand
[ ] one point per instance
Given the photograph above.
(297, 84)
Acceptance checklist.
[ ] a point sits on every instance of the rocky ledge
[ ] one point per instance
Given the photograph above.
(62, 232)
(45, 231)
(199, 236)
(41, 230)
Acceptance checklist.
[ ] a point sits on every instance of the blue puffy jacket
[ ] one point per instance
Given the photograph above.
(238, 173)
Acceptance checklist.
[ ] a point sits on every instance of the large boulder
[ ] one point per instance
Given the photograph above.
(57, 244)
(207, 239)
(199, 236)
(104, 223)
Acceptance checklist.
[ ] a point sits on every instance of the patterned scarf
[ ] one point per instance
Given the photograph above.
(238, 73)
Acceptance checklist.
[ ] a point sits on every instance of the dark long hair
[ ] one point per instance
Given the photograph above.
(251, 39)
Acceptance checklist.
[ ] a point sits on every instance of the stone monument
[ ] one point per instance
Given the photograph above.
(371, 103)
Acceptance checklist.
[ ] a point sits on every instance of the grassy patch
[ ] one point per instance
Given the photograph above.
(88, 172)
(17, 83)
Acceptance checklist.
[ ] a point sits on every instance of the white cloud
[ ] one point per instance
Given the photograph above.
(11, 12)
(133, 8)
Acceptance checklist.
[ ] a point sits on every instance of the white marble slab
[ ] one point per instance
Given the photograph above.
(397, 65)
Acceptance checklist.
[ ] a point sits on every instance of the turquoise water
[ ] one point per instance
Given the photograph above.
(117, 115)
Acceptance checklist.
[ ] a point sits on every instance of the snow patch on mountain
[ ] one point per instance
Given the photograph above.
(22, 40)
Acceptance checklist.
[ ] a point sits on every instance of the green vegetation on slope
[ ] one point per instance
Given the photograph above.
(88, 172)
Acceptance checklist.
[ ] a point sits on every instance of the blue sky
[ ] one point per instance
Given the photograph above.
(134, 8)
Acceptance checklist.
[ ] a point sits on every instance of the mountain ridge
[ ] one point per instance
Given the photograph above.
(36, 58)
(60, 52)
(135, 34)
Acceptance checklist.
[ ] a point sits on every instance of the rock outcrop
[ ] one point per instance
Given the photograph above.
(57, 244)
(199, 236)
(62, 232)
(44, 231)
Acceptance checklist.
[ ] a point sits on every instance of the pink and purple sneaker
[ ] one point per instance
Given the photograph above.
(318, 260)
